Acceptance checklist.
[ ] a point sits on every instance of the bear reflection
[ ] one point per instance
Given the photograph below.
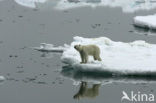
(85, 92)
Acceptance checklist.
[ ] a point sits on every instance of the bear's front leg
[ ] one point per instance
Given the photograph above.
(82, 58)
(86, 58)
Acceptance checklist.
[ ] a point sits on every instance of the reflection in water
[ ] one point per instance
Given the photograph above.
(106, 77)
(84, 91)
(47, 55)
(144, 31)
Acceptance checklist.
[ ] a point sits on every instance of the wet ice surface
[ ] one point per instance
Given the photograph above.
(78, 75)
(30, 77)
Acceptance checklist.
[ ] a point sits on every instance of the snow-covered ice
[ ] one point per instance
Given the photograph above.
(29, 3)
(126, 5)
(148, 21)
(118, 57)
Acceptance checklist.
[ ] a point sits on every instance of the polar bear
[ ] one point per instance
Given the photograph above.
(86, 50)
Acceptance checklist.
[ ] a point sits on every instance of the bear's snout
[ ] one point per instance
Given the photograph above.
(75, 46)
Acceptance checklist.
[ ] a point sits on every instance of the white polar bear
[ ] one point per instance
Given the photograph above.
(86, 50)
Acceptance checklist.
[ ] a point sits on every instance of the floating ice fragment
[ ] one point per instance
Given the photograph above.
(2, 78)
(148, 21)
(50, 48)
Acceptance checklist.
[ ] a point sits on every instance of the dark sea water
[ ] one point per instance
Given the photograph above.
(33, 78)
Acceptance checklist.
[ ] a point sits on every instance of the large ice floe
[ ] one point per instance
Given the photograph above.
(148, 21)
(29, 3)
(126, 5)
(136, 58)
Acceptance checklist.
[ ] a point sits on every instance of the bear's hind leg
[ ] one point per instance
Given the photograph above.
(97, 57)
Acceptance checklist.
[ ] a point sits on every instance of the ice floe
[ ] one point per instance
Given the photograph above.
(117, 57)
(148, 21)
(29, 3)
(126, 5)
(136, 57)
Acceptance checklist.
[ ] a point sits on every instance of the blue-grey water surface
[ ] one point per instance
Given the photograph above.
(33, 78)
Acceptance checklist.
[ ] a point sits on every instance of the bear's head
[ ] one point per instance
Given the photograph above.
(78, 47)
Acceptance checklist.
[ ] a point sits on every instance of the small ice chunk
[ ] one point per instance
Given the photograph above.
(44, 47)
(29, 3)
(2, 78)
(148, 21)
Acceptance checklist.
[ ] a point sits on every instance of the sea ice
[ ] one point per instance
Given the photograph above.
(148, 21)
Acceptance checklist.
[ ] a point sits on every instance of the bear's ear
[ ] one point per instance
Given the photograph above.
(79, 45)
